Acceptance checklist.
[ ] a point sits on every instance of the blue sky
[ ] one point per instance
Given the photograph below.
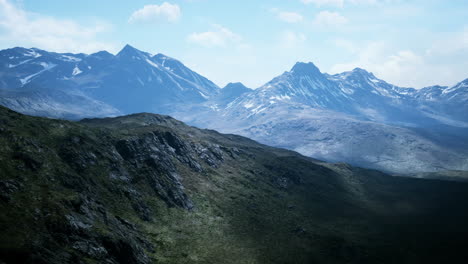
(408, 43)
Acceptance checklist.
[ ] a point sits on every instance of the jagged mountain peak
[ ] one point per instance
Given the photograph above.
(129, 51)
(305, 68)
(355, 73)
(236, 86)
(155, 85)
(128, 47)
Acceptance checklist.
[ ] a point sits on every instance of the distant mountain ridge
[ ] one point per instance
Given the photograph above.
(332, 117)
(131, 81)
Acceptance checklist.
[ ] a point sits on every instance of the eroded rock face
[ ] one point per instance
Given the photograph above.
(127, 167)
(153, 154)
(8, 188)
(150, 157)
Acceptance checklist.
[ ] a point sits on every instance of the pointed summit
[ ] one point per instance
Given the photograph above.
(129, 51)
(305, 68)
(126, 49)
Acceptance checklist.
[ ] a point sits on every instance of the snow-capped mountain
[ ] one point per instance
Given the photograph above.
(33, 81)
(131, 81)
(304, 84)
(357, 93)
(350, 117)
(451, 102)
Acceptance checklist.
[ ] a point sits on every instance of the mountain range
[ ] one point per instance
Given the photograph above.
(349, 117)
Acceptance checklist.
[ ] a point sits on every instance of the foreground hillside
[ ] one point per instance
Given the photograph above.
(148, 189)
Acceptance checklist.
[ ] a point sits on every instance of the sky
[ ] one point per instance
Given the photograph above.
(410, 43)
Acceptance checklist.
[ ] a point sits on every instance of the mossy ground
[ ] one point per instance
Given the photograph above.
(260, 205)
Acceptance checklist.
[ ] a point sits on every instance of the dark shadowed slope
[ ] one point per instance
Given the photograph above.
(146, 188)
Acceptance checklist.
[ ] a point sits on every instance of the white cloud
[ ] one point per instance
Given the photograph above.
(219, 37)
(291, 40)
(397, 67)
(369, 2)
(155, 13)
(345, 44)
(407, 67)
(337, 3)
(327, 19)
(289, 17)
(22, 28)
(449, 43)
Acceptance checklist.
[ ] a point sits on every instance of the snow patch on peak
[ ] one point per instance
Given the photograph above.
(76, 70)
(203, 95)
(249, 105)
(70, 58)
(32, 53)
(152, 63)
(15, 65)
(460, 85)
(280, 97)
(47, 66)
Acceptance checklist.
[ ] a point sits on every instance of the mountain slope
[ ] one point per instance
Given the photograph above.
(341, 117)
(71, 104)
(146, 188)
(332, 117)
(450, 101)
(336, 137)
(131, 81)
(230, 92)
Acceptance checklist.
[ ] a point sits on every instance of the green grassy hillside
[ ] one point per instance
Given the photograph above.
(148, 189)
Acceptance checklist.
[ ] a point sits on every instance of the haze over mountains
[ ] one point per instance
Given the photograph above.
(349, 117)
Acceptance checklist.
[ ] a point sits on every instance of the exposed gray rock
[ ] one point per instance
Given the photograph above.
(90, 249)
(153, 155)
(8, 188)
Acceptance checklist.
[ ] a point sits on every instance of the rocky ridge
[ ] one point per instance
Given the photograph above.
(147, 188)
